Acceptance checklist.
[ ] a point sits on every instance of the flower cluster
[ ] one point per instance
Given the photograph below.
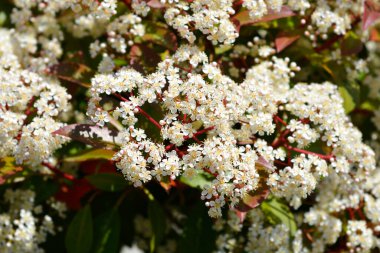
(25, 226)
(212, 18)
(192, 92)
(29, 105)
(196, 94)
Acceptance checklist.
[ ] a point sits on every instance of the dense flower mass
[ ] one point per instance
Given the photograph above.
(246, 125)
(25, 225)
(30, 103)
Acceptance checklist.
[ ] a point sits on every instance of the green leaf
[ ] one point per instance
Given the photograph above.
(158, 222)
(198, 235)
(277, 212)
(107, 181)
(348, 101)
(91, 155)
(3, 18)
(107, 232)
(79, 235)
(120, 62)
(222, 49)
(199, 180)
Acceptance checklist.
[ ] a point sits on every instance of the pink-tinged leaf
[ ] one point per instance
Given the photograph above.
(243, 17)
(254, 199)
(155, 4)
(72, 72)
(284, 40)
(370, 14)
(273, 15)
(261, 162)
(100, 137)
(241, 215)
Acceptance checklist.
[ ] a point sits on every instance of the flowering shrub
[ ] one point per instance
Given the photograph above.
(189, 126)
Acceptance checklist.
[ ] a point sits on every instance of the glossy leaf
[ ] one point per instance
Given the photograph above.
(108, 181)
(277, 212)
(79, 234)
(348, 101)
(91, 155)
(253, 199)
(283, 40)
(198, 235)
(199, 180)
(158, 222)
(107, 232)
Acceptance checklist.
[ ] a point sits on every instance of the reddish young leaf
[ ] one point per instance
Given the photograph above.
(374, 35)
(96, 166)
(370, 14)
(284, 40)
(72, 195)
(254, 199)
(155, 4)
(243, 17)
(241, 215)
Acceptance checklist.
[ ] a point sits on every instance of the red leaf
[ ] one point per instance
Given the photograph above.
(370, 14)
(96, 166)
(374, 35)
(244, 19)
(273, 15)
(241, 215)
(254, 199)
(284, 40)
(72, 195)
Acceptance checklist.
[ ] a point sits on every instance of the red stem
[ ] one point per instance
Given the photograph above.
(58, 172)
(170, 146)
(140, 110)
(325, 157)
(277, 118)
(281, 139)
(149, 118)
